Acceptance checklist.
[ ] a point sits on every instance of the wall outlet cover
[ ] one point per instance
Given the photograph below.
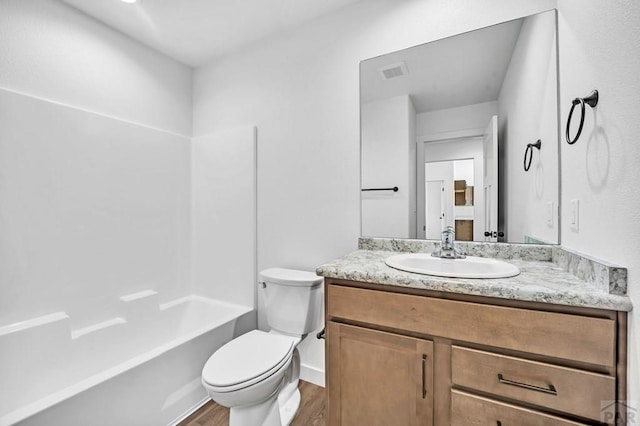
(574, 215)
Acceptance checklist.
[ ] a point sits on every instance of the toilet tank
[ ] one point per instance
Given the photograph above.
(292, 300)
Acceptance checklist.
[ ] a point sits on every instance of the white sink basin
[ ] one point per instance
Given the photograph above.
(469, 267)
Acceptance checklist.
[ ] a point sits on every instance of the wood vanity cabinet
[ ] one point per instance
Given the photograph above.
(400, 356)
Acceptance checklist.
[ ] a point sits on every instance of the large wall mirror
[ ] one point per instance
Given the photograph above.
(444, 130)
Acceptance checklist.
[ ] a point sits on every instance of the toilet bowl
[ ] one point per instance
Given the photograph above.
(256, 375)
(249, 369)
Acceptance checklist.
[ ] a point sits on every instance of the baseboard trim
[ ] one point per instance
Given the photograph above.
(312, 375)
(190, 411)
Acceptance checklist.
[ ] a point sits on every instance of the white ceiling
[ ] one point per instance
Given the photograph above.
(461, 70)
(196, 31)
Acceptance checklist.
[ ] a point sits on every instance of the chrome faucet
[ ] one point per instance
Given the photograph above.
(447, 246)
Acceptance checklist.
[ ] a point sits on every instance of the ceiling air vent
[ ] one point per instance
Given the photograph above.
(393, 70)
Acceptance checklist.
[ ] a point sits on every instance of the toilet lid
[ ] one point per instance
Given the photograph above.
(290, 277)
(247, 357)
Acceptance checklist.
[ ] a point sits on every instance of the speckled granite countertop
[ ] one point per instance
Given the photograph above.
(538, 281)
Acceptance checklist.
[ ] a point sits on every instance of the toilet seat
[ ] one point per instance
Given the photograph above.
(247, 360)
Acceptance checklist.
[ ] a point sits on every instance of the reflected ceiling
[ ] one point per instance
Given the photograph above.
(444, 75)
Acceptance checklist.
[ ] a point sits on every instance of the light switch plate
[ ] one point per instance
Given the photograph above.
(550, 213)
(574, 215)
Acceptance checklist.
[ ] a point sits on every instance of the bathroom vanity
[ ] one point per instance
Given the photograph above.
(544, 347)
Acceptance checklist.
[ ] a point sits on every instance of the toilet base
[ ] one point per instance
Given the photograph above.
(289, 407)
(266, 413)
(277, 410)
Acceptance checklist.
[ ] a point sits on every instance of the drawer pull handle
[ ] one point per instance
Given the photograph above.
(424, 376)
(550, 390)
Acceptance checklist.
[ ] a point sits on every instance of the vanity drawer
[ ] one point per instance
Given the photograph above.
(564, 389)
(574, 337)
(471, 410)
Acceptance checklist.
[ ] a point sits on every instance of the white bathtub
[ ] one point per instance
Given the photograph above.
(142, 368)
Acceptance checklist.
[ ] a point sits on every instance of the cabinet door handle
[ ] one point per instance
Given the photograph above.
(550, 390)
(424, 376)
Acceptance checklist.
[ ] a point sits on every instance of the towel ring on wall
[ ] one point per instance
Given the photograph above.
(529, 152)
(592, 101)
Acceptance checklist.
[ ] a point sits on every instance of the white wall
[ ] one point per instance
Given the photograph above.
(94, 189)
(600, 49)
(301, 90)
(386, 150)
(527, 113)
(441, 122)
(463, 170)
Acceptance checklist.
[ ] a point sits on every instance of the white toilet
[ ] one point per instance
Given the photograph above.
(256, 374)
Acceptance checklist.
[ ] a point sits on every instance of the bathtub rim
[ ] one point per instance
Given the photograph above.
(68, 392)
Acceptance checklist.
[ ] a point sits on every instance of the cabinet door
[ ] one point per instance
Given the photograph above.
(378, 378)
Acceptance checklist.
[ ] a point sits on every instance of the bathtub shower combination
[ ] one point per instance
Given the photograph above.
(140, 368)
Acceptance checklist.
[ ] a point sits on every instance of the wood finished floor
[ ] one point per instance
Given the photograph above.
(312, 411)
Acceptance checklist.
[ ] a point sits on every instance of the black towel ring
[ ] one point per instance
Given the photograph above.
(529, 152)
(592, 101)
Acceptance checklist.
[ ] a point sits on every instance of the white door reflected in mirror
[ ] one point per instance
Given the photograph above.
(434, 208)
(450, 198)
